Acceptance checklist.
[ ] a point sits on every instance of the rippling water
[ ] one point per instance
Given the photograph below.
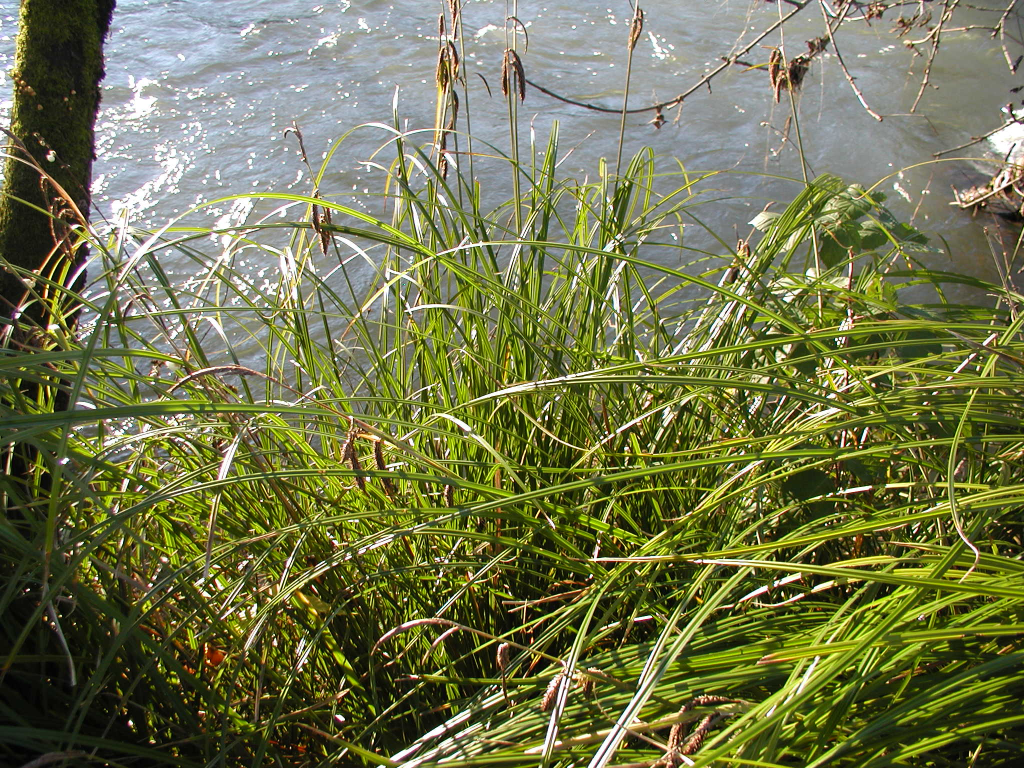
(199, 92)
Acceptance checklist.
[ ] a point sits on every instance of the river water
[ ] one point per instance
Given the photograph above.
(199, 92)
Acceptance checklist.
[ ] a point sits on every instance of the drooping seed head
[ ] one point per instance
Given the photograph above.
(636, 26)
(548, 699)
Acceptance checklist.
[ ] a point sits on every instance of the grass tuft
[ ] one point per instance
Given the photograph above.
(760, 507)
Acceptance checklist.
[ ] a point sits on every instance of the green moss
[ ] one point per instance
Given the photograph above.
(58, 68)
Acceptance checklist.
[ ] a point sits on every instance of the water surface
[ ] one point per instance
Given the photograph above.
(198, 95)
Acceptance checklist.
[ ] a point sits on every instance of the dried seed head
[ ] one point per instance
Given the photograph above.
(636, 26)
(816, 46)
(678, 743)
(447, 66)
(512, 68)
(454, 111)
(378, 460)
(699, 734)
(318, 217)
(441, 75)
(587, 682)
(707, 701)
(440, 25)
(456, 61)
(743, 249)
(325, 240)
(548, 699)
(798, 67)
(453, 9)
(449, 495)
(775, 73)
(348, 455)
(501, 658)
(676, 736)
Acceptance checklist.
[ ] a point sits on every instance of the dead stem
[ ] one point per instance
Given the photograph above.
(842, 64)
(934, 37)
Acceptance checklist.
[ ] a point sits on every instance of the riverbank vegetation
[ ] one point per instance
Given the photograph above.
(533, 498)
(574, 481)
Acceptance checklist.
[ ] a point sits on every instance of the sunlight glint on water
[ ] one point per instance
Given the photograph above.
(198, 94)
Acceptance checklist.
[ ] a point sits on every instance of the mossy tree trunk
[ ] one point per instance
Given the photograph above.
(56, 77)
(57, 73)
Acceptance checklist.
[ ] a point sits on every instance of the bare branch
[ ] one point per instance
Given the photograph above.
(1000, 30)
(727, 62)
(934, 37)
(975, 140)
(842, 64)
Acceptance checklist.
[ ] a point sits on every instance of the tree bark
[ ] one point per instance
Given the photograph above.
(57, 73)
(47, 172)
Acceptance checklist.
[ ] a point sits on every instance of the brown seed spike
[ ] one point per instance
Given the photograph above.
(441, 75)
(699, 734)
(548, 699)
(636, 26)
(378, 460)
(449, 495)
(587, 682)
(453, 57)
(677, 734)
(440, 25)
(348, 454)
(797, 69)
(706, 701)
(325, 240)
(442, 163)
(501, 660)
(454, 111)
(512, 67)
(775, 73)
(520, 78)
(317, 221)
(505, 72)
(453, 8)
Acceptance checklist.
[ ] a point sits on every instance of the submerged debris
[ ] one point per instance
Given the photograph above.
(789, 75)
(1003, 194)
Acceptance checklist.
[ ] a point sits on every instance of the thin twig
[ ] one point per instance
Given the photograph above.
(842, 64)
(1001, 31)
(727, 61)
(934, 36)
(598, 107)
(975, 140)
